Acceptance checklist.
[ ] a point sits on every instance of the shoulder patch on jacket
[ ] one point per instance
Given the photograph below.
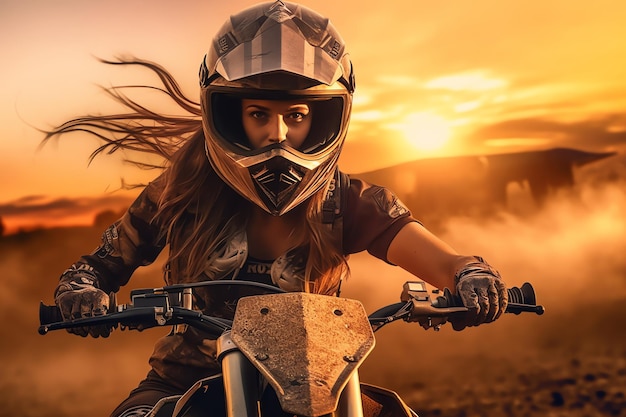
(389, 203)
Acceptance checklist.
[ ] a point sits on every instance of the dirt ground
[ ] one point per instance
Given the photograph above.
(569, 362)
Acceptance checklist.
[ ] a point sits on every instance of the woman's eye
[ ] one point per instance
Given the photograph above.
(297, 116)
(257, 114)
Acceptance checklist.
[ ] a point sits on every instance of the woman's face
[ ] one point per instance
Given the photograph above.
(267, 122)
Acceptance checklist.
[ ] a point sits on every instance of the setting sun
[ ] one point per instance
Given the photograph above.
(425, 131)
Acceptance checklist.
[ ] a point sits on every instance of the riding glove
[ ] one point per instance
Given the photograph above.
(482, 291)
(78, 296)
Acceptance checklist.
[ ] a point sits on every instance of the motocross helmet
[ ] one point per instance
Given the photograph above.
(276, 51)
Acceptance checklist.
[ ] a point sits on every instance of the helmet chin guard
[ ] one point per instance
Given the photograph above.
(276, 51)
(276, 180)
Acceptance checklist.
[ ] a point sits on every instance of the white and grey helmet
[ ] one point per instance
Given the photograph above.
(280, 51)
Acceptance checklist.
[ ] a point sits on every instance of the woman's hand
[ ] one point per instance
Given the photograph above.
(78, 297)
(483, 292)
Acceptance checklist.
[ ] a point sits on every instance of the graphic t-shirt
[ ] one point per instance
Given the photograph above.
(256, 270)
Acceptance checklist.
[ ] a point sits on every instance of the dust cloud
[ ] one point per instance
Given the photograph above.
(572, 251)
(574, 246)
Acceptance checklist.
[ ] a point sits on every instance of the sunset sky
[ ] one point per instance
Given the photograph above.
(433, 79)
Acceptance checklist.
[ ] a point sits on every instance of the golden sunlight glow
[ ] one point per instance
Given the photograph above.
(441, 89)
(425, 131)
(467, 81)
(367, 116)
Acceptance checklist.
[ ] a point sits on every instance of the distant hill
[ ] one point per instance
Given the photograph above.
(479, 185)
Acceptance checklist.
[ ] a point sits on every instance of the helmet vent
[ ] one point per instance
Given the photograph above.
(276, 184)
(279, 12)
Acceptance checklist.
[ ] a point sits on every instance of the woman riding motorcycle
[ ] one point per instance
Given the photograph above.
(253, 192)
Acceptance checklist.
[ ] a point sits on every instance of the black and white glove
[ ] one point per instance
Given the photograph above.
(78, 295)
(482, 291)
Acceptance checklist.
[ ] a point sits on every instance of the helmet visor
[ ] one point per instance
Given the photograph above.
(225, 121)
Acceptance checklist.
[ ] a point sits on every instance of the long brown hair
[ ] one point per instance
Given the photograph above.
(197, 211)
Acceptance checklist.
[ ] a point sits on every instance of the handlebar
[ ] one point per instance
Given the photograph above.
(152, 307)
(417, 305)
(171, 305)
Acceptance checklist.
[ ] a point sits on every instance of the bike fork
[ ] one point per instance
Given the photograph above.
(350, 402)
(241, 383)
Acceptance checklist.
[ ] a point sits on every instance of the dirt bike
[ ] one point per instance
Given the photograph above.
(282, 353)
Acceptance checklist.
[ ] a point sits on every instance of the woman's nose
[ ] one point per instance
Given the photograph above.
(277, 129)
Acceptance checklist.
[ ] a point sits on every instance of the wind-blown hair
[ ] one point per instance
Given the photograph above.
(197, 212)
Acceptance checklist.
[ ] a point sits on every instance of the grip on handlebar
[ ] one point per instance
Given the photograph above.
(49, 314)
(521, 299)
